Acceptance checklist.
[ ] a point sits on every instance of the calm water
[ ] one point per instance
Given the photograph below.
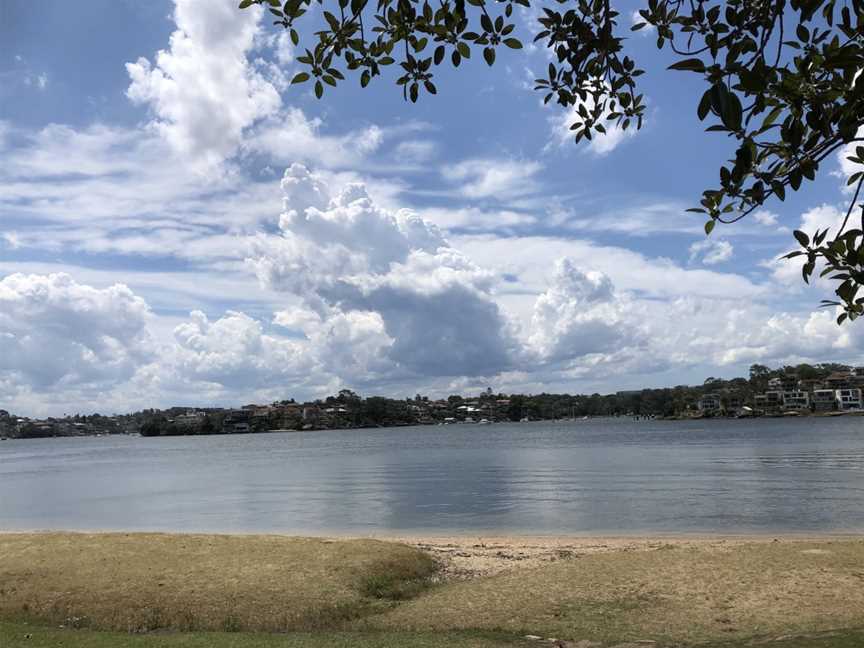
(579, 477)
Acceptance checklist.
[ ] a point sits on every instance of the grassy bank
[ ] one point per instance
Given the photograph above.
(178, 589)
(675, 594)
(144, 582)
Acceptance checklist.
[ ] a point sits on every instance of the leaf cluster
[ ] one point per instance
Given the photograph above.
(415, 36)
(782, 78)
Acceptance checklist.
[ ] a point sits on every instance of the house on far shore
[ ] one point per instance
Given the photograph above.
(237, 421)
(796, 401)
(839, 380)
(848, 399)
(784, 383)
(709, 404)
(770, 402)
(824, 400)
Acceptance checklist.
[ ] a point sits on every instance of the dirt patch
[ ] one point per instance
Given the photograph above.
(469, 557)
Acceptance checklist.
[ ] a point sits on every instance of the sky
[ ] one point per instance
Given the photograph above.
(179, 226)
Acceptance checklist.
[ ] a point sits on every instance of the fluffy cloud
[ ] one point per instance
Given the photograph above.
(202, 90)
(657, 278)
(600, 144)
(234, 353)
(577, 315)
(491, 178)
(786, 336)
(788, 271)
(822, 217)
(57, 332)
(346, 256)
(765, 217)
(712, 251)
(291, 136)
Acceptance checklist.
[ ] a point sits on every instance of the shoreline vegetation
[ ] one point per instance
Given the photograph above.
(145, 590)
(821, 390)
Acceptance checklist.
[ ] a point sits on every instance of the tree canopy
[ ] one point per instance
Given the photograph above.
(782, 80)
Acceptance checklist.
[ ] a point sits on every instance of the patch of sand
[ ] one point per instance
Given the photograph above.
(468, 557)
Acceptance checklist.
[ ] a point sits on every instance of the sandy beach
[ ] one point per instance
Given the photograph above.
(466, 557)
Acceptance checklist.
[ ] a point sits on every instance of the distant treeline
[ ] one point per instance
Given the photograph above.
(348, 409)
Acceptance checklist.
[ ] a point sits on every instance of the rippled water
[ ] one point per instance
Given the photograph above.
(600, 476)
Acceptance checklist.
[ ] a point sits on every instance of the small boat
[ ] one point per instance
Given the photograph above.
(483, 422)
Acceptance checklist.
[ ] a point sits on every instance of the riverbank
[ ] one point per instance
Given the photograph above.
(454, 591)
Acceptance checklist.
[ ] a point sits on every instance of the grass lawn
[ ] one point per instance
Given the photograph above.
(179, 589)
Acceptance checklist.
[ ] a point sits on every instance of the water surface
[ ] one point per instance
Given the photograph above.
(592, 477)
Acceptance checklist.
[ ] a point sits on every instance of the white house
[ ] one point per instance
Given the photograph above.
(848, 399)
(709, 403)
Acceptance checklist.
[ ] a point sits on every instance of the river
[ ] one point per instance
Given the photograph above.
(599, 476)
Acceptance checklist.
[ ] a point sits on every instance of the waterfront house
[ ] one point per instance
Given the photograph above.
(190, 419)
(824, 400)
(709, 404)
(237, 421)
(796, 401)
(732, 402)
(761, 402)
(848, 399)
(839, 380)
(773, 401)
(809, 384)
(784, 383)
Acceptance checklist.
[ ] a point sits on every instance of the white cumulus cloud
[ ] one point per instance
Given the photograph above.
(202, 90)
(712, 251)
(577, 315)
(430, 308)
(55, 331)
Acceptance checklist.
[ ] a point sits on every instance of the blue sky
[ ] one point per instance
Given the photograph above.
(179, 226)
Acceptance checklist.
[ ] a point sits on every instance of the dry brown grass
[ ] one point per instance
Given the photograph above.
(675, 593)
(671, 593)
(142, 582)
